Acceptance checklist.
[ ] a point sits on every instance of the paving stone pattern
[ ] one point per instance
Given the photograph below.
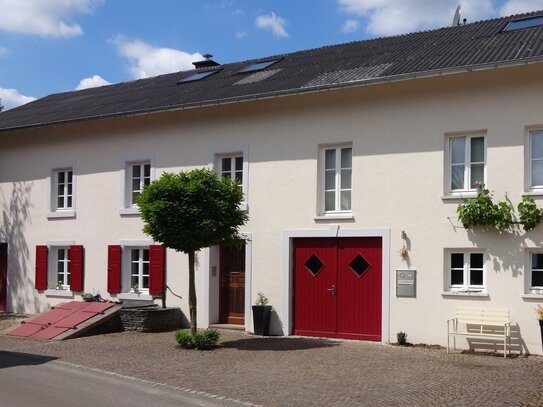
(305, 371)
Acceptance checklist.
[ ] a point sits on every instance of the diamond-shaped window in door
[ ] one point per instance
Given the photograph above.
(314, 265)
(359, 265)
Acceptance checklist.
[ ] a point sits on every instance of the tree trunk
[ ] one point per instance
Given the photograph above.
(192, 294)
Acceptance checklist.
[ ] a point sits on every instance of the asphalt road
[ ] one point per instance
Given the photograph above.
(32, 381)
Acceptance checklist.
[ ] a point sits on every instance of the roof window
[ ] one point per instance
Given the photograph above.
(524, 23)
(196, 76)
(258, 66)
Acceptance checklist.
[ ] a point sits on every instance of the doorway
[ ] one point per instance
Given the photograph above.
(232, 285)
(3, 276)
(337, 287)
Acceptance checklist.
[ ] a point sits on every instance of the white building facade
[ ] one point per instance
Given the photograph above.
(347, 184)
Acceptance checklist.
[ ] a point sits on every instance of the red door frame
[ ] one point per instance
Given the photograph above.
(336, 302)
(3, 276)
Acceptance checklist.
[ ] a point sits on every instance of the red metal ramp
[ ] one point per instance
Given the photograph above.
(66, 320)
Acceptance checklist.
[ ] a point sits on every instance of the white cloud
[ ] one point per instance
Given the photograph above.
(92, 82)
(51, 18)
(147, 60)
(350, 26)
(274, 23)
(390, 17)
(240, 35)
(520, 6)
(11, 98)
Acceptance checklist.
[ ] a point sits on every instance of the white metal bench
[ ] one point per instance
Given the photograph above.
(480, 323)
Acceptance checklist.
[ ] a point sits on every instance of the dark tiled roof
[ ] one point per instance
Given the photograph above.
(378, 60)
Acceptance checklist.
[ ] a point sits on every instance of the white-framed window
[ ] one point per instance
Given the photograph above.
(58, 268)
(135, 269)
(64, 189)
(139, 269)
(231, 166)
(535, 278)
(232, 162)
(465, 271)
(62, 269)
(62, 183)
(466, 163)
(140, 176)
(136, 172)
(535, 161)
(336, 179)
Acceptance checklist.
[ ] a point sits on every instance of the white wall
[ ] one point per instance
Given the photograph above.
(397, 131)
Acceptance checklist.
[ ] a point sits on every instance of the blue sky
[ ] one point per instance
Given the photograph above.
(50, 46)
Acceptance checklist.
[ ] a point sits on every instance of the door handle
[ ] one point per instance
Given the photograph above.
(332, 291)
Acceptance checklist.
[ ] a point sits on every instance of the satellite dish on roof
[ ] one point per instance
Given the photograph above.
(456, 18)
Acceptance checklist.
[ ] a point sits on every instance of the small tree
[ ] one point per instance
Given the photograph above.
(190, 211)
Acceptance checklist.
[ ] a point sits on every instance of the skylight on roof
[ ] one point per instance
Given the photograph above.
(258, 66)
(196, 76)
(524, 23)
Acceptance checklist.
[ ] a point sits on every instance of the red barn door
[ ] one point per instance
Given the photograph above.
(337, 287)
(314, 281)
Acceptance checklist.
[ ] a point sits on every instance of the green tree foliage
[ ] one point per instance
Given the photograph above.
(192, 210)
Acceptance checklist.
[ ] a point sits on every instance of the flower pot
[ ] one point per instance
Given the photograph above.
(541, 329)
(261, 319)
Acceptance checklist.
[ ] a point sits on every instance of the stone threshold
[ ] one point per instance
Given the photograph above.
(232, 327)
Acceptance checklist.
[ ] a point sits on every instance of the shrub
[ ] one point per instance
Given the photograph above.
(206, 339)
(200, 340)
(402, 338)
(184, 338)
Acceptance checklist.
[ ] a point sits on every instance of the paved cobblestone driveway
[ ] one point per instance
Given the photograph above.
(307, 372)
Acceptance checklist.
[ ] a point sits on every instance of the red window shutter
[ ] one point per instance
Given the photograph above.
(41, 268)
(114, 269)
(157, 274)
(76, 255)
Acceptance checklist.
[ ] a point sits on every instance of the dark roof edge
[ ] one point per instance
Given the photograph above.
(291, 92)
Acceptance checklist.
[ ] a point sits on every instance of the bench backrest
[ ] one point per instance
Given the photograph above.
(482, 316)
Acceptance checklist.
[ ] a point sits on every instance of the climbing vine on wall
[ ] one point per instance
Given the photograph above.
(482, 211)
(529, 214)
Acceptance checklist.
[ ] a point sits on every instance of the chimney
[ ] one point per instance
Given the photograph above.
(206, 63)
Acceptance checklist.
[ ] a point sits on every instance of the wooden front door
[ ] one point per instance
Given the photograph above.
(3, 276)
(337, 287)
(232, 286)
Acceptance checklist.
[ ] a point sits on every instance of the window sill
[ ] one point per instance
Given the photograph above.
(59, 293)
(535, 192)
(458, 197)
(537, 297)
(334, 216)
(60, 214)
(134, 296)
(479, 294)
(132, 211)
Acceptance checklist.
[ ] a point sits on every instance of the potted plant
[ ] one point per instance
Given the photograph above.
(261, 315)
